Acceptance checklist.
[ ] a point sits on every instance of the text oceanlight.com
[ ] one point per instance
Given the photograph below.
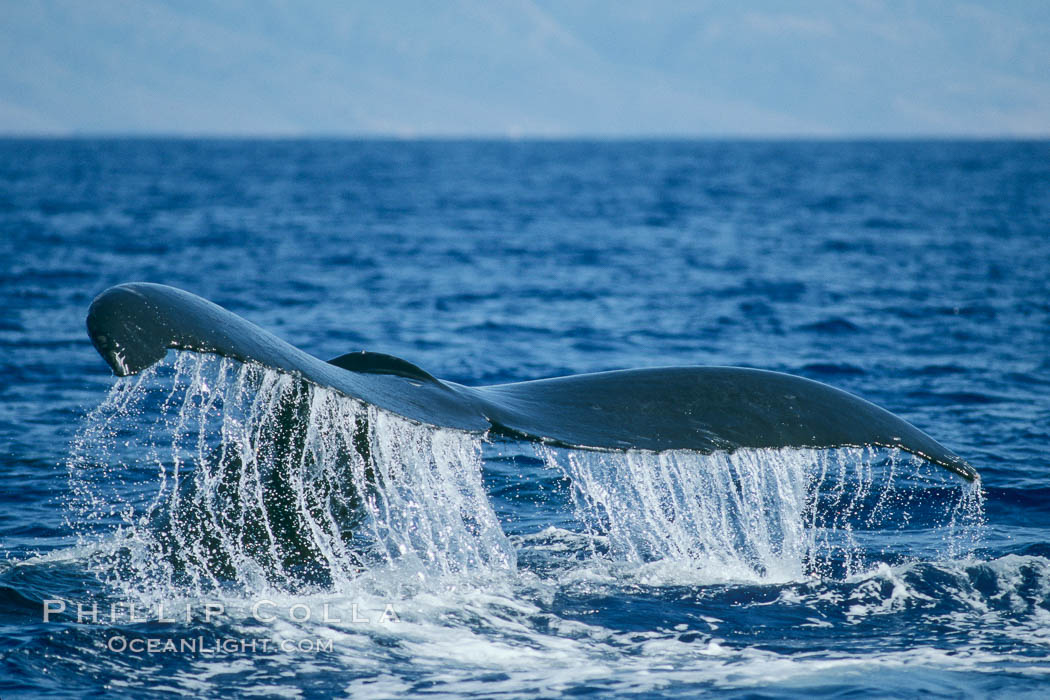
(225, 645)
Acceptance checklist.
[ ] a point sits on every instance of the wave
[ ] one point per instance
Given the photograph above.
(788, 565)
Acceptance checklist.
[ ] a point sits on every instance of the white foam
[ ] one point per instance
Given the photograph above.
(175, 467)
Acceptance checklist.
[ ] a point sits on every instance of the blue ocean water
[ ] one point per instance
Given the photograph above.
(915, 274)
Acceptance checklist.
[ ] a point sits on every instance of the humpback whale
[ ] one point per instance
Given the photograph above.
(705, 408)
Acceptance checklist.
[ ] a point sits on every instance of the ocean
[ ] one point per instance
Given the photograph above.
(138, 560)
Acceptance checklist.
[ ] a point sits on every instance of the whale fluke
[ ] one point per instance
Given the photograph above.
(698, 408)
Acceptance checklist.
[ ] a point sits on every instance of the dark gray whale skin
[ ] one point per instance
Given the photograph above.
(706, 409)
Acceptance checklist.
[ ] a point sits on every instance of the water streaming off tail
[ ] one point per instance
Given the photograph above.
(769, 514)
(217, 474)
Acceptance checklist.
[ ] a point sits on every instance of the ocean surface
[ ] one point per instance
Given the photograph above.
(142, 557)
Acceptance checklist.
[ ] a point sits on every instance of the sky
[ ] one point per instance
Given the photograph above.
(526, 68)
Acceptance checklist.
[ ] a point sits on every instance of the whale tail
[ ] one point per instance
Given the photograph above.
(705, 409)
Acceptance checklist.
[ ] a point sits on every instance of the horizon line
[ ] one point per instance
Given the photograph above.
(510, 137)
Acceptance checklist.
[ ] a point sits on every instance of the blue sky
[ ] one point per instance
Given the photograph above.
(529, 68)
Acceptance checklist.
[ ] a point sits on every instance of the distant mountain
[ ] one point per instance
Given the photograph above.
(469, 67)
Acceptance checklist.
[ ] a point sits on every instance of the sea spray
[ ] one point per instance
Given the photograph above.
(206, 474)
(768, 514)
(237, 476)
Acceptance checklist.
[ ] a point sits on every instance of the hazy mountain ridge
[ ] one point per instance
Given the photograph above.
(467, 67)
